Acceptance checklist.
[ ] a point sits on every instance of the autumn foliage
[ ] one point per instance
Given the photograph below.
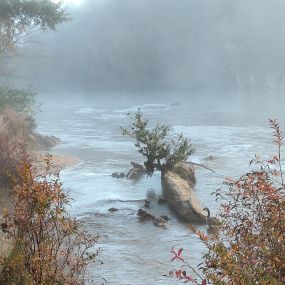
(186, 272)
(250, 248)
(49, 247)
(11, 153)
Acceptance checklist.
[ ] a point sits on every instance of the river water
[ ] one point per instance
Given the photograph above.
(230, 127)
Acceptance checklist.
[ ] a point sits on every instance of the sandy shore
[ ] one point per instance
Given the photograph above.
(58, 162)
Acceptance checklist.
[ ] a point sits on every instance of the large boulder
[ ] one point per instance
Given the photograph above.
(186, 172)
(178, 187)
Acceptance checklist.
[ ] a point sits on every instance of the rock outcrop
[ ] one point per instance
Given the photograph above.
(178, 190)
(136, 172)
(44, 141)
(22, 128)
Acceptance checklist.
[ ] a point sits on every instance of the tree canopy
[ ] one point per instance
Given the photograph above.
(18, 100)
(20, 18)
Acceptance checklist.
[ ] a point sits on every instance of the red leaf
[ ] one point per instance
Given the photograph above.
(177, 255)
(204, 282)
(178, 273)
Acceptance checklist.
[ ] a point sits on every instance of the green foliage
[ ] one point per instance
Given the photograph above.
(20, 18)
(18, 100)
(154, 146)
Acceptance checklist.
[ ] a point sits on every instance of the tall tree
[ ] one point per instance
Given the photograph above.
(20, 18)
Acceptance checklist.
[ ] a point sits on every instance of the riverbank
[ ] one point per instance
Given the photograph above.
(17, 129)
(58, 162)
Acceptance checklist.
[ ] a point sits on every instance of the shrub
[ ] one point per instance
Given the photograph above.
(11, 154)
(16, 137)
(18, 100)
(19, 125)
(251, 246)
(183, 272)
(154, 146)
(49, 246)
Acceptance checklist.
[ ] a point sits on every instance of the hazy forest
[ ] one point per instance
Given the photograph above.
(141, 142)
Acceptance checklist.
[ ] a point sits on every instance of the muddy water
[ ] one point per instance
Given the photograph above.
(229, 127)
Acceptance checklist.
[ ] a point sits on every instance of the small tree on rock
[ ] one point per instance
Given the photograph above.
(154, 145)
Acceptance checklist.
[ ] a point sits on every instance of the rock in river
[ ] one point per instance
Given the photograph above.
(136, 172)
(178, 190)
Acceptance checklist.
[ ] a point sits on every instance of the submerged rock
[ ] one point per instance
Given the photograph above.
(166, 218)
(161, 200)
(144, 215)
(151, 195)
(118, 175)
(146, 203)
(113, 210)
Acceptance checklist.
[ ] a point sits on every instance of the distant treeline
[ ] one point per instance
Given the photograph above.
(163, 44)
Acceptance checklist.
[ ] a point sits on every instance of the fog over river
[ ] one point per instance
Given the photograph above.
(213, 70)
(231, 127)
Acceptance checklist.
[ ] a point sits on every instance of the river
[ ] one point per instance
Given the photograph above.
(229, 126)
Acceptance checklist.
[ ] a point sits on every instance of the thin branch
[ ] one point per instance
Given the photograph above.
(199, 164)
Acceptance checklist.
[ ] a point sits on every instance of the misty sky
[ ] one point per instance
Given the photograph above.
(162, 45)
